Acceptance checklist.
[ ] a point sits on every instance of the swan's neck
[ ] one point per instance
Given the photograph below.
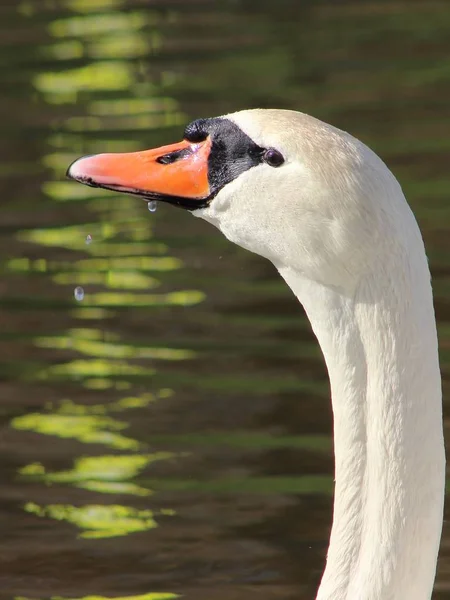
(380, 347)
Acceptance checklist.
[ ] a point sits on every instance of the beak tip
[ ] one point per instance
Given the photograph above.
(69, 173)
(75, 170)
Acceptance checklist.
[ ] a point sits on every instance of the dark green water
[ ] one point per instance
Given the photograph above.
(171, 433)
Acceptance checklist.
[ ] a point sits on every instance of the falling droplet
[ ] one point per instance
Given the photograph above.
(78, 293)
(152, 205)
(88, 238)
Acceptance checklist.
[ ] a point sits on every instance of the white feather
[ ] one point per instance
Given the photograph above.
(334, 221)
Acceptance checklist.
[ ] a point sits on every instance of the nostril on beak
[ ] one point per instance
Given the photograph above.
(166, 159)
(171, 157)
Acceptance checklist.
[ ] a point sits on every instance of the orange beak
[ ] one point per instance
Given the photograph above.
(177, 173)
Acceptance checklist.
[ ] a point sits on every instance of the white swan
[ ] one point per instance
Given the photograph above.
(333, 220)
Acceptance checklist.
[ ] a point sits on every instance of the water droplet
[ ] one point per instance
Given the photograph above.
(152, 205)
(78, 293)
(88, 238)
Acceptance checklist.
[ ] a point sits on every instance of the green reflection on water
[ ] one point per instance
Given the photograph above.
(83, 369)
(67, 50)
(143, 263)
(101, 233)
(128, 249)
(132, 106)
(63, 191)
(77, 145)
(98, 521)
(130, 46)
(71, 408)
(88, 423)
(87, 6)
(147, 121)
(97, 76)
(180, 298)
(89, 429)
(111, 279)
(150, 596)
(114, 350)
(91, 26)
(93, 313)
(105, 474)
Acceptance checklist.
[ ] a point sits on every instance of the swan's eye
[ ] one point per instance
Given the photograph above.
(273, 158)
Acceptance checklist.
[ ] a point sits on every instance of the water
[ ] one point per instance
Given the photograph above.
(152, 205)
(171, 434)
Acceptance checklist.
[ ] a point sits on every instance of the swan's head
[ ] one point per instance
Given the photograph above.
(279, 183)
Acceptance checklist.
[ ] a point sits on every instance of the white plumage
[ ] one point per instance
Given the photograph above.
(335, 223)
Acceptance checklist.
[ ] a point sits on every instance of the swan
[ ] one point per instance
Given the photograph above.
(332, 218)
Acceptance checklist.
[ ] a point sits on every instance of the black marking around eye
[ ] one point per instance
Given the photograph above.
(232, 151)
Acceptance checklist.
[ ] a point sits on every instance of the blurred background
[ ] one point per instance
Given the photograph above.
(170, 434)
